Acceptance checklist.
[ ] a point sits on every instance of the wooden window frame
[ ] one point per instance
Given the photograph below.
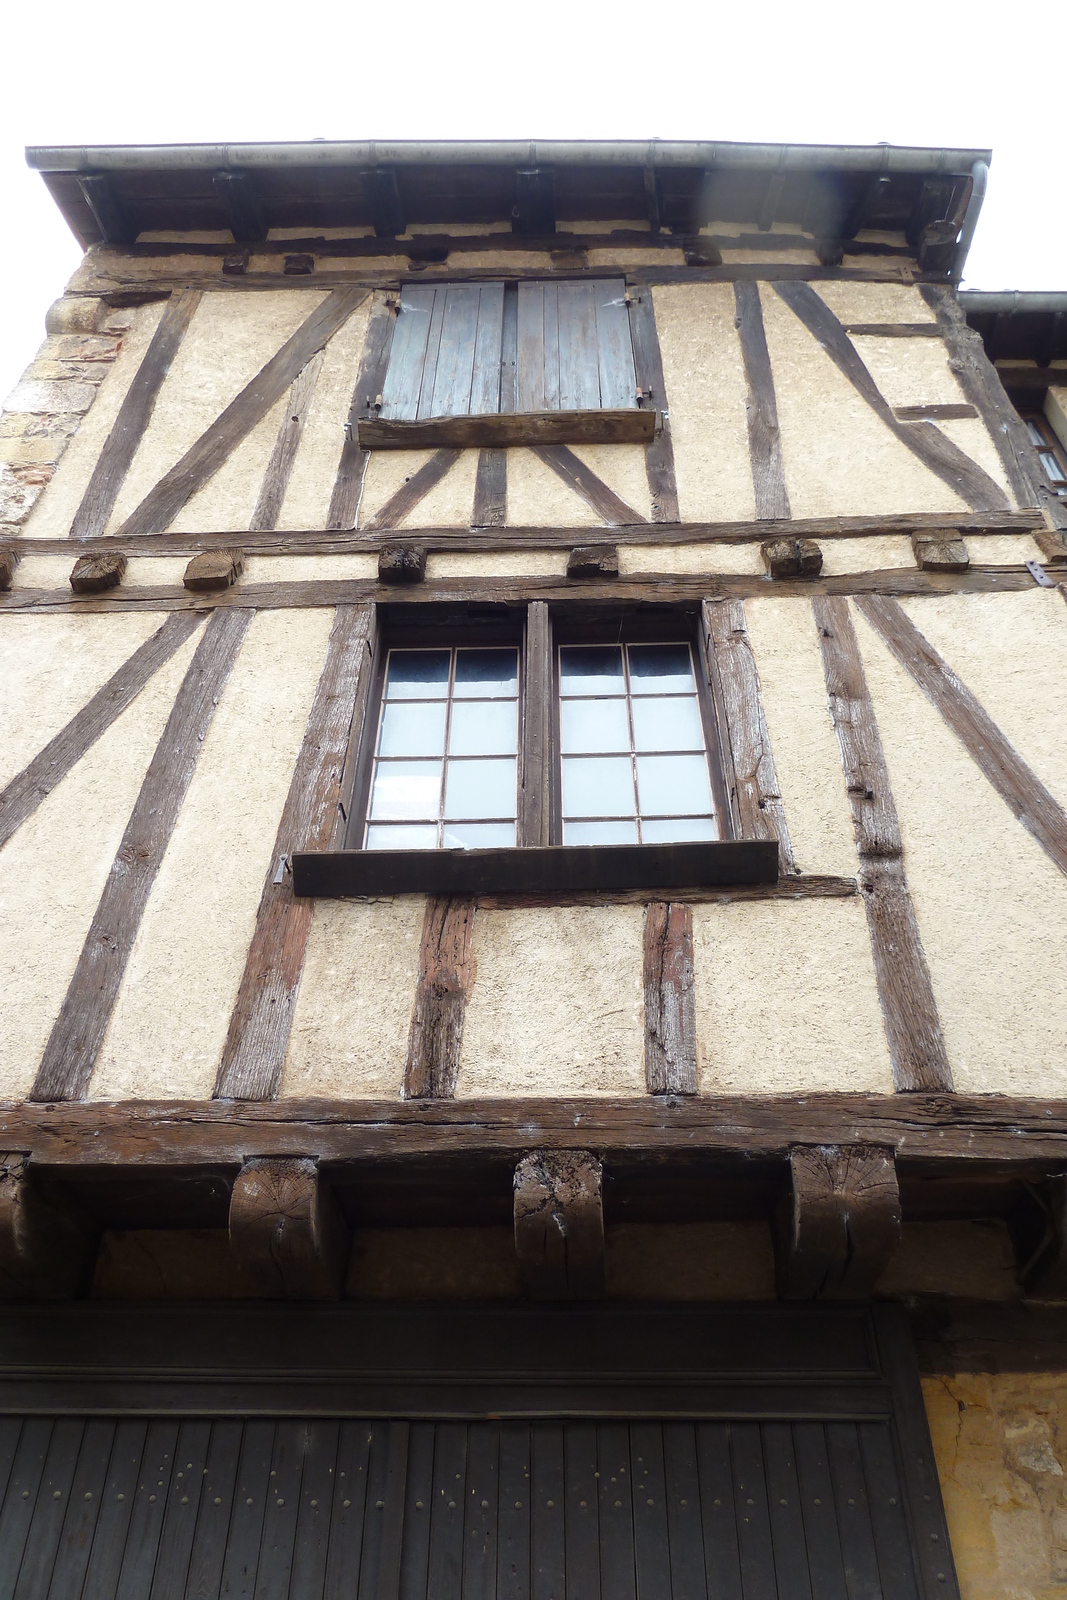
(1053, 446)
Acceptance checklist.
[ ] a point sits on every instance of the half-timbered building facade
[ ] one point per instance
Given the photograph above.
(533, 883)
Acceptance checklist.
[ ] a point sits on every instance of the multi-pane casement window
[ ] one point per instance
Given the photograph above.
(510, 363)
(1050, 452)
(628, 752)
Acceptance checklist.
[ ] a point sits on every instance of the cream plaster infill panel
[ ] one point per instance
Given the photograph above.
(786, 1000)
(54, 512)
(309, 569)
(1004, 550)
(910, 372)
(706, 392)
(155, 572)
(173, 1009)
(50, 667)
(497, 564)
(865, 555)
(307, 497)
(353, 1009)
(738, 559)
(538, 497)
(387, 471)
(46, 572)
(231, 337)
(622, 468)
(874, 302)
(450, 503)
(227, 500)
(972, 436)
(991, 906)
(803, 742)
(53, 870)
(557, 1005)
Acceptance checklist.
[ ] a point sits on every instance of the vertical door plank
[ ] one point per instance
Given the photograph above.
(407, 356)
(181, 1511)
(112, 1525)
(579, 364)
(313, 1519)
(392, 1510)
(750, 1507)
(246, 1519)
(853, 1518)
(548, 1566)
(433, 351)
(615, 351)
(582, 1511)
(551, 347)
(820, 1518)
(282, 1511)
(213, 1519)
(480, 1519)
(618, 1561)
(53, 1502)
(688, 1577)
(446, 1522)
(146, 1518)
(530, 358)
(349, 1500)
(418, 1507)
(787, 1517)
(488, 352)
(722, 1560)
(513, 1531)
(86, 1495)
(885, 1502)
(651, 1538)
(21, 1498)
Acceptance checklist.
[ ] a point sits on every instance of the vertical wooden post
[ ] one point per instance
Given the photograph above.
(436, 1036)
(535, 795)
(670, 1006)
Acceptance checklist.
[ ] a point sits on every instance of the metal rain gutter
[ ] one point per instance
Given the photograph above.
(1010, 301)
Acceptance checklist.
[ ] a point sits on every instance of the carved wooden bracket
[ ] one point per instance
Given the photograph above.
(287, 1231)
(941, 552)
(559, 1225)
(214, 569)
(838, 1227)
(46, 1250)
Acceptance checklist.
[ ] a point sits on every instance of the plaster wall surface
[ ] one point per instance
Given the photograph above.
(450, 503)
(538, 498)
(691, 558)
(556, 1006)
(309, 569)
(875, 302)
(774, 981)
(169, 1024)
(387, 471)
(52, 872)
(622, 468)
(991, 906)
(307, 497)
(497, 564)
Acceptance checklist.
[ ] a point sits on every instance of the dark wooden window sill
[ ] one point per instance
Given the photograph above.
(659, 868)
(629, 426)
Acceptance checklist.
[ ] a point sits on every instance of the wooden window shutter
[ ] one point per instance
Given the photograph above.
(445, 360)
(575, 352)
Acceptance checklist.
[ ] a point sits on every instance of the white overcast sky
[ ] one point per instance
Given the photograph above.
(825, 71)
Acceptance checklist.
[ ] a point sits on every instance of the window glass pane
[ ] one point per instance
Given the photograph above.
(1036, 436)
(675, 830)
(593, 725)
(673, 785)
(485, 728)
(480, 789)
(479, 835)
(667, 725)
(600, 833)
(591, 669)
(660, 669)
(417, 675)
(411, 728)
(597, 786)
(389, 837)
(486, 672)
(1052, 467)
(406, 791)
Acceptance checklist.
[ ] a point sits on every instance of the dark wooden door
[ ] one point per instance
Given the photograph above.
(199, 1508)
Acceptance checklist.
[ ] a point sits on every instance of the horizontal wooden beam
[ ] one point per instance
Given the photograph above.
(1006, 1133)
(508, 430)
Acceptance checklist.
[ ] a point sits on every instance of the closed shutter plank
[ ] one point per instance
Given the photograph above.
(150, 1503)
(109, 1539)
(753, 1521)
(407, 354)
(688, 1577)
(551, 356)
(547, 1552)
(787, 1518)
(249, 1503)
(886, 1504)
(83, 1509)
(53, 1497)
(480, 1517)
(446, 1526)
(530, 360)
(313, 1524)
(349, 1498)
(418, 1506)
(579, 366)
(618, 1562)
(853, 1519)
(486, 383)
(615, 351)
(651, 1542)
(216, 1503)
(820, 1519)
(582, 1532)
(182, 1506)
(433, 352)
(454, 374)
(722, 1560)
(509, 349)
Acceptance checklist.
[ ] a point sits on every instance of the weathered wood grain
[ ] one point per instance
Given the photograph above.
(934, 413)
(593, 490)
(417, 487)
(648, 365)
(290, 431)
(352, 467)
(47, 1247)
(792, 888)
(593, 561)
(755, 794)
(503, 430)
(1021, 790)
(491, 490)
(28, 788)
(96, 573)
(312, 819)
(212, 570)
(912, 1024)
(764, 437)
(78, 1032)
(401, 563)
(839, 1224)
(670, 1002)
(535, 793)
(792, 558)
(925, 441)
(559, 1225)
(287, 1231)
(436, 1034)
(934, 554)
(135, 412)
(204, 458)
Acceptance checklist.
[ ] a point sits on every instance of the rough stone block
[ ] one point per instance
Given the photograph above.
(34, 394)
(74, 313)
(20, 488)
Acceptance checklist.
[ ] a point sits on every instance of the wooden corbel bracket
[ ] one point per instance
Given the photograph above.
(47, 1249)
(559, 1225)
(838, 1225)
(287, 1230)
